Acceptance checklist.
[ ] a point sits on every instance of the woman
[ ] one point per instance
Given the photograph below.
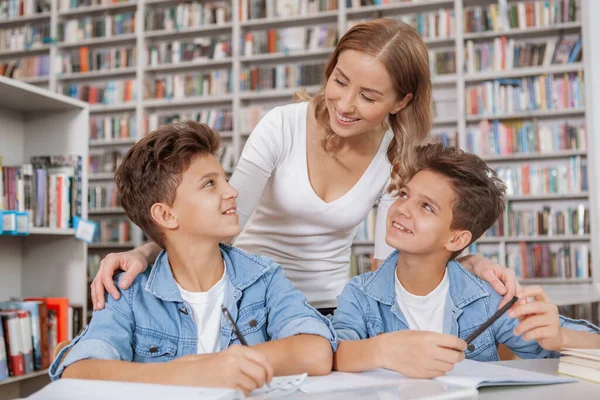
(311, 171)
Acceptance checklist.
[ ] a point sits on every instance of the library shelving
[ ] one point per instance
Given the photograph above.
(49, 261)
(214, 37)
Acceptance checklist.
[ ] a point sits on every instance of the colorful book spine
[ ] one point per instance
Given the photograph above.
(3, 355)
(12, 337)
(26, 340)
(34, 329)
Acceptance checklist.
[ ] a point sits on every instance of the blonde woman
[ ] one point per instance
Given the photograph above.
(311, 171)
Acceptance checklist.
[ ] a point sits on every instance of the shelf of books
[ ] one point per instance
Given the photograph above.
(43, 265)
(508, 85)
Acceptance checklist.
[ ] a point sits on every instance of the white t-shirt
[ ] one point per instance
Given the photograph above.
(424, 313)
(284, 219)
(206, 309)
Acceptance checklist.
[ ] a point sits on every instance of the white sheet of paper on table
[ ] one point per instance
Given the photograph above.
(280, 386)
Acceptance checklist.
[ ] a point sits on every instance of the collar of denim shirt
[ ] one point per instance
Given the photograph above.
(464, 288)
(242, 271)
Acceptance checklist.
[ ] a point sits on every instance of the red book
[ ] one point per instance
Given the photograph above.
(12, 337)
(61, 306)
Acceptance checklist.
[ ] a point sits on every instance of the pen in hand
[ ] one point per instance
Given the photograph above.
(237, 332)
(488, 323)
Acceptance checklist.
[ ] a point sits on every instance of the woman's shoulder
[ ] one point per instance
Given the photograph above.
(282, 124)
(287, 113)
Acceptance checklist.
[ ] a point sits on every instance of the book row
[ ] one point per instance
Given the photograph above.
(564, 177)
(96, 26)
(519, 15)
(113, 127)
(547, 221)
(256, 9)
(47, 191)
(31, 328)
(544, 92)
(289, 40)
(530, 137)
(187, 15)
(504, 54)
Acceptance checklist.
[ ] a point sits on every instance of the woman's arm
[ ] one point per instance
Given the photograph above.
(259, 158)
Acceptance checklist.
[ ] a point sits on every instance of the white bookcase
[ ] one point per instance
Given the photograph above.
(449, 91)
(48, 262)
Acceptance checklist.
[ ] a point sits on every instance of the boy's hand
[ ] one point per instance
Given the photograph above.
(237, 367)
(538, 320)
(420, 354)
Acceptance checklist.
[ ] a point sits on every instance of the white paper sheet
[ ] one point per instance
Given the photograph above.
(280, 386)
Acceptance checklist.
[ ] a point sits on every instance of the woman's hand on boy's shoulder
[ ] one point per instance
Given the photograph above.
(132, 262)
(420, 354)
(502, 279)
(237, 367)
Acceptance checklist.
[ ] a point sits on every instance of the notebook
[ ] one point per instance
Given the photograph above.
(466, 374)
(78, 389)
(479, 374)
(581, 363)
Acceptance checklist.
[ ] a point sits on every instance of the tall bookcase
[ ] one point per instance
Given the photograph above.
(450, 92)
(48, 262)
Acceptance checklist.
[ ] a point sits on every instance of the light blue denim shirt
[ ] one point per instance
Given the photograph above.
(151, 323)
(368, 307)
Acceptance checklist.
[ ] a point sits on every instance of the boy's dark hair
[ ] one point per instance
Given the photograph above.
(480, 193)
(151, 170)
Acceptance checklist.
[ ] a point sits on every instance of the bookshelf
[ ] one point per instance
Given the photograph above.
(49, 262)
(452, 117)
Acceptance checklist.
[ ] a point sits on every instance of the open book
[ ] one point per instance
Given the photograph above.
(466, 374)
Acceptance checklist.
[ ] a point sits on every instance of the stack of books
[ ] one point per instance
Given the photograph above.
(581, 363)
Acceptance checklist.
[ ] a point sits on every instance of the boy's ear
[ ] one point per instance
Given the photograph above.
(162, 215)
(459, 240)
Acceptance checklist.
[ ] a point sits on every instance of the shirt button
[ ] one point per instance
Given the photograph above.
(471, 347)
(253, 323)
(153, 349)
(183, 310)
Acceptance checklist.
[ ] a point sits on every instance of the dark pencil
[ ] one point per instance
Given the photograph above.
(237, 332)
(488, 323)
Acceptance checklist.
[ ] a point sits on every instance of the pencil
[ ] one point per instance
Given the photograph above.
(488, 323)
(237, 332)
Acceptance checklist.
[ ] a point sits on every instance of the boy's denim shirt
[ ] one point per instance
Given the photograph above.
(367, 307)
(151, 323)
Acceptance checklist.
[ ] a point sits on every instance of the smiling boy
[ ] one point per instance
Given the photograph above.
(413, 312)
(168, 326)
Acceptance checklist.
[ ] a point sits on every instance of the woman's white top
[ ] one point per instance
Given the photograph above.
(284, 219)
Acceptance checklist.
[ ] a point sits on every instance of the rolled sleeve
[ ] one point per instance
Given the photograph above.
(580, 325)
(290, 314)
(349, 320)
(109, 336)
(87, 350)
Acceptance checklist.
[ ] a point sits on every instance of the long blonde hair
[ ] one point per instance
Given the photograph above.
(404, 55)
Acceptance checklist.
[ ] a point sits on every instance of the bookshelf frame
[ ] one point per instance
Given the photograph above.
(49, 262)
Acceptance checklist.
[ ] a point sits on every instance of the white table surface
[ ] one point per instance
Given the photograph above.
(564, 391)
